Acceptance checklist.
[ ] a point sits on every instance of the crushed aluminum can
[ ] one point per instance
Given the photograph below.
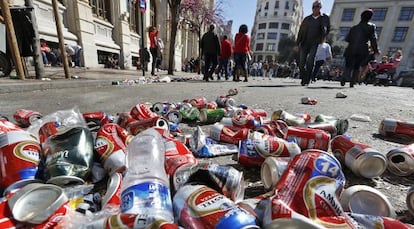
(309, 188)
(410, 200)
(126, 220)
(110, 144)
(97, 118)
(6, 126)
(272, 169)
(360, 158)
(228, 134)
(372, 221)
(142, 111)
(198, 206)
(256, 205)
(290, 119)
(363, 199)
(210, 116)
(124, 119)
(200, 103)
(243, 121)
(225, 101)
(137, 126)
(399, 129)
(233, 92)
(308, 100)
(211, 105)
(69, 156)
(333, 127)
(254, 150)
(113, 191)
(190, 113)
(401, 160)
(174, 116)
(163, 108)
(253, 112)
(308, 138)
(276, 128)
(25, 118)
(39, 203)
(19, 157)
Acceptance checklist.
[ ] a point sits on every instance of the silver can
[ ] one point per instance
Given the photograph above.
(410, 200)
(272, 169)
(363, 199)
(401, 160)
(35, 202)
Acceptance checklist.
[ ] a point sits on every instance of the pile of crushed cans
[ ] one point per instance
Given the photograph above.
(69, 169)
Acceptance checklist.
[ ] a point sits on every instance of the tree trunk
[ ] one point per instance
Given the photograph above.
(174, 24)
(37, 57)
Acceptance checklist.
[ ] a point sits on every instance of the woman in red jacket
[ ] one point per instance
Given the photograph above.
(153, 37)
(241, 52)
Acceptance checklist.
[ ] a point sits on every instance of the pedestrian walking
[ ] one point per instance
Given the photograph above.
(265, 68)
(153, 37)
(357, 52)
(312, 29)
(323, 55)
(210, 50)
(241, 52)
(224, 59)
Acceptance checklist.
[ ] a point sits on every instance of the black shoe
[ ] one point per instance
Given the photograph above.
(226, 77)
(342, 83)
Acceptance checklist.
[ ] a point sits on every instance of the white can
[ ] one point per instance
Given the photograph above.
(272, 169)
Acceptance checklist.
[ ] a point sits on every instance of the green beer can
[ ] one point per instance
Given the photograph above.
(210, 116)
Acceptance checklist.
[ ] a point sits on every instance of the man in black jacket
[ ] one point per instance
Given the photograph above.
(210, 48)
(312, 31)
(357, 51)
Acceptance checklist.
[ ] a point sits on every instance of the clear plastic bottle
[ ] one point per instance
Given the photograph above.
(145, 187)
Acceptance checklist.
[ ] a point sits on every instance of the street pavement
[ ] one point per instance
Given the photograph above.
(93, 91)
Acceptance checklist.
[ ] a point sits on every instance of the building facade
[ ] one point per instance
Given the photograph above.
(394, 21)
(113, 28)
(274, 20)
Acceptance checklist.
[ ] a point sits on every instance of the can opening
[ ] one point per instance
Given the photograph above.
(369, 203)
(397, 159)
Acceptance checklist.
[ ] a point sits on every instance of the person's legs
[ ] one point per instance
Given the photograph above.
(213, 59)
(154, 60)
(44, 58)
(78, 58)
(303, 54)
(310, 62)
(207, 65)
(226, 68)
(318, 65)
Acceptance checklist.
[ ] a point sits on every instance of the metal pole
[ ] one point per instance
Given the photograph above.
(142, 43)
(61, 39)
(39, 68)
(11, 35)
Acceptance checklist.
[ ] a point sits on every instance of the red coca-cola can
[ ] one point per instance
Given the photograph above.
(211, 105)
(228, 134)
(276, 128)
(19, 157)
(360, 158)
(26, 117)
(112, 197)
(142, 111)
(253, 112)
(308, 190)
(99, 118)
(200, 102)
(110, 144)
(308, 138)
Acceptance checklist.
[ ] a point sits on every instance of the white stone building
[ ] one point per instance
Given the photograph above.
(394, 21)
(274, 20)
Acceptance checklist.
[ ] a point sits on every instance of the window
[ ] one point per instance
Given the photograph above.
(343, 31)
(406, 14)
(101, 8)
(272, 36)
(285, 26)
(399, 34)
(287, 5)
(285, 14)
(348, 14)
(284, 36)
(277, 5)
(262, 26)
(134, 16)
(267, 6)
(271, 47)
(265, 14)
(379, 14)
(275, 13)
(378, 30)
(260, 35)
(273, 25)
(259, 47)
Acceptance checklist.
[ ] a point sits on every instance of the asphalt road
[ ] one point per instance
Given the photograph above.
(373, 101)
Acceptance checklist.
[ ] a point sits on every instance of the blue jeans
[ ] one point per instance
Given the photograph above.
(224, 66)
(78, 58)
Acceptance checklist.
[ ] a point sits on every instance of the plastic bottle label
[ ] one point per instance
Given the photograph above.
(148, 195)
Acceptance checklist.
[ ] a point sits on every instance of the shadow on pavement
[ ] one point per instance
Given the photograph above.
(285, 85)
